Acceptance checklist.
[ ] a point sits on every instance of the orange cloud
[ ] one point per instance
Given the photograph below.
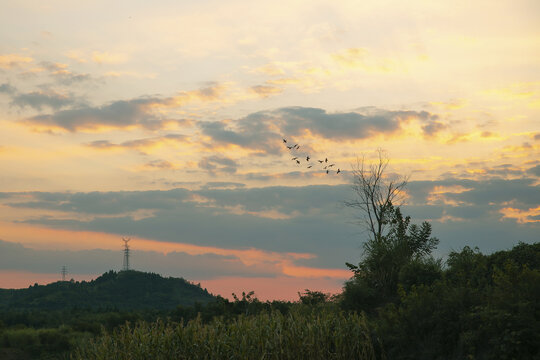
(10, 61)
(312, 273)
(38, 237)
(531, 215)
(265, 90)
(437, 195)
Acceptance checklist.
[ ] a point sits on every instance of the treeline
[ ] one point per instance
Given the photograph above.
(475, 307)
(470, 306)
(124, 290)
(49, 320)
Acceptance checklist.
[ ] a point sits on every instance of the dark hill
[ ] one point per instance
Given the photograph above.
(124, 290)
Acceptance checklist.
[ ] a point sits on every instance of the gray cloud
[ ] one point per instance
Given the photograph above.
(223, 185)
(61, 74)
(159, 164)
(432, 128)
(39, 99)
(535, 170)
(494, 191)
(101, 202)
(7, 89)
(352, 125)
(257, 131)
(119, 114)
(308, 219)
(218, 164)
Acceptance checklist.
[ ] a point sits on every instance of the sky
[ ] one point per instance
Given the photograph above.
(163, 122)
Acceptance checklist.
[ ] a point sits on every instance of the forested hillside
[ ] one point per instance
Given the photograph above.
(125, 290)
(470, 306)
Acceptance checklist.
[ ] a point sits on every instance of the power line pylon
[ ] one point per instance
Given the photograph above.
(126, 253)
(64, 272)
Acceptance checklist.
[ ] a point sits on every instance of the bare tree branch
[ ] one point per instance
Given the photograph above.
(375, 194)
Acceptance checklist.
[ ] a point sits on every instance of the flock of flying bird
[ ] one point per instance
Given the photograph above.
(323, 163)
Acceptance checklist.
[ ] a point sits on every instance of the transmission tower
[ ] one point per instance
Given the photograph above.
(126, 253)
(64, 272)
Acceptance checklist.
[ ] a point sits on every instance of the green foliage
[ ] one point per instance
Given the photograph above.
(475, 307)
(125, 290)
(267, 335)
(403, 249)
(309, 297)
(40, 343)
(482, 307)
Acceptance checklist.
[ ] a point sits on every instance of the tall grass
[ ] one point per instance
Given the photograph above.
(271, 335)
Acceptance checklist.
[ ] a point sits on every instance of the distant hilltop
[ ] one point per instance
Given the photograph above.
(124, 290)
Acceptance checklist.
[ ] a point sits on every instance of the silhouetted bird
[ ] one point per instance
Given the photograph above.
(327, 171)
(285, 141)
(331, 165)
(321, 161)
(290, 147)
(307, 158)
(310, 166)
(338, 171)
(298, 161)
(326, 160)
(294, 158)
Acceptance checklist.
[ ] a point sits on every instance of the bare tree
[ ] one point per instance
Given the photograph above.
(376, 194)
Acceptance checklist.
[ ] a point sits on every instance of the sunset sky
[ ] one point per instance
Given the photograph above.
(163, 122)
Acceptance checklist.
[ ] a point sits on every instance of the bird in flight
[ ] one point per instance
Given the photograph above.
(297, 159)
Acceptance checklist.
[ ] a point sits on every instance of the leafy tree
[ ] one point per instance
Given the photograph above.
(394, 243)
(384, 259)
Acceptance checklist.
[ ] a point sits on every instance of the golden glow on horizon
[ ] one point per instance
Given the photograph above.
(282, 288)
(124, 108)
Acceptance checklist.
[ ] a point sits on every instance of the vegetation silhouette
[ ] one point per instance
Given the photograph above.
(400, 303)
(124, 290)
